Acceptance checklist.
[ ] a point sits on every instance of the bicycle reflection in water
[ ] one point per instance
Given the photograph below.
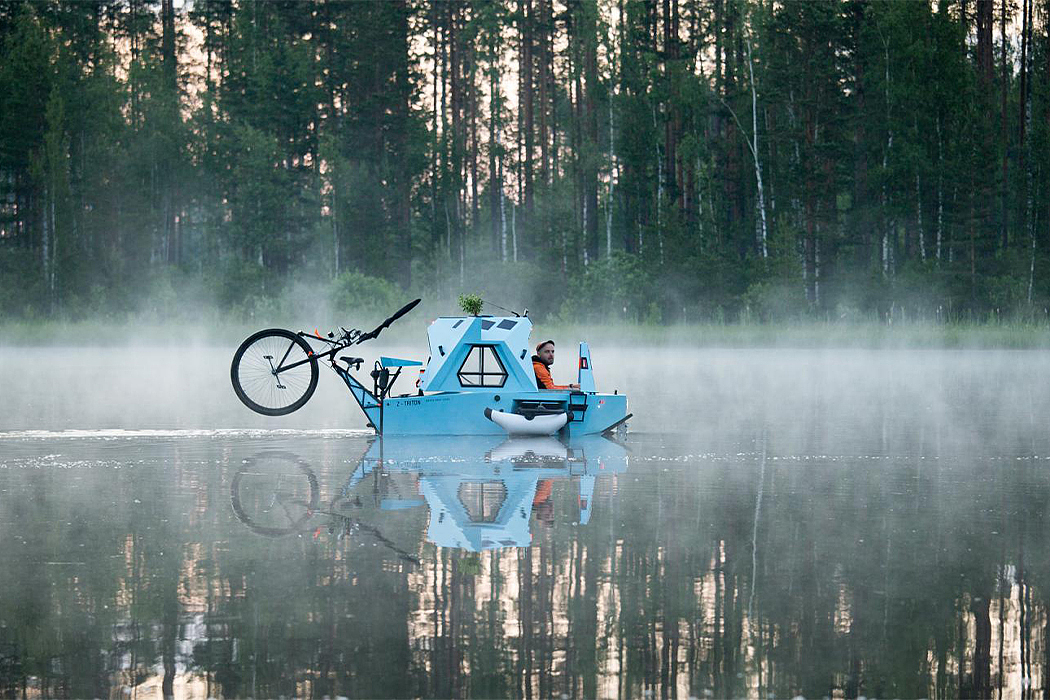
(481, 491)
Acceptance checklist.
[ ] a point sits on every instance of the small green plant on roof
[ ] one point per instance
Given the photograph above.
(470, 303)
(470, 565)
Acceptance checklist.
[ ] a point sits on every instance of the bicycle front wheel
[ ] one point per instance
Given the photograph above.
(269, 494)
(274, 372)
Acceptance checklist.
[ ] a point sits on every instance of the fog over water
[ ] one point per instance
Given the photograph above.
(811, 400)
(776, 522)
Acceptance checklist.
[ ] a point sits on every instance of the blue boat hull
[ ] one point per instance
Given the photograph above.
(463, 413)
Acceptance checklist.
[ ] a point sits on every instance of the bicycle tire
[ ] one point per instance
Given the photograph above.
(250, 467)
(257, 377)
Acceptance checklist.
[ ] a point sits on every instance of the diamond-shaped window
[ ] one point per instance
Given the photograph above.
(482, 367)
(482, 499)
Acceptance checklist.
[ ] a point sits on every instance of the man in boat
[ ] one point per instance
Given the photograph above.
(541, 363)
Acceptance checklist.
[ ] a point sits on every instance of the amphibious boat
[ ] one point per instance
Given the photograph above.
(479, 380)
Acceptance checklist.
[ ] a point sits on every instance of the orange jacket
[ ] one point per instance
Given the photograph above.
(543, 491)
(543, 375)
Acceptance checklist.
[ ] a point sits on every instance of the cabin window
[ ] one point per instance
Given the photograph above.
(482, 367)
(482, 499)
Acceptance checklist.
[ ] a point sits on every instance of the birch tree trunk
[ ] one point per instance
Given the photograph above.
(918, 215)
(940, 191)
(544, 49)
(754, 152)
(589, 129)
(526, 105)
(1031, 266)
(1005, 187)
(612, 185)
(54, 253)
(888, 223)
(472, 106)
(699, 208)
(45, 248)
(502, 215)
(951, 241)
(167, 181)
(659, 198)
(335, 233)
(462, 245)
(1022, 118)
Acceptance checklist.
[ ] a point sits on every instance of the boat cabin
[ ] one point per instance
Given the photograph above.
(479, 353)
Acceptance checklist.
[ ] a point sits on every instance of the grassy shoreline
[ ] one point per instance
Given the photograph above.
(812, 334)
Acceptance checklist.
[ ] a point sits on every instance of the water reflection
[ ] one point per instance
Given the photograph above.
(769, 571)
(481, 493)
(287, 486)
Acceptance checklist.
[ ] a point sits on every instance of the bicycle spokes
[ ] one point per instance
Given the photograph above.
(269, 386)
(274, 370)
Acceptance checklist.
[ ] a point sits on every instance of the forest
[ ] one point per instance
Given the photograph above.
(654, 161)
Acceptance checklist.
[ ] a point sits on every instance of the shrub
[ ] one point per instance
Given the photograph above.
(357, 294)
(775, 300)
(21, 293)
(617, 287)
(241, 288)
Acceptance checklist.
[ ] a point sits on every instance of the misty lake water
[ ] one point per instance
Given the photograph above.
(775, 523)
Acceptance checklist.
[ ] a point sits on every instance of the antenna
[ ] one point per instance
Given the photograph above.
(507, 310)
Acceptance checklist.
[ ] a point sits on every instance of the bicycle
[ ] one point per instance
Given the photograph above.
(274, 372)
(276, 493)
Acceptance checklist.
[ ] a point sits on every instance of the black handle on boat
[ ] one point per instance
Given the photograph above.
(386, 324)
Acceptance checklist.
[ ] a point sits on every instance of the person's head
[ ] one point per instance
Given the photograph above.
(545, 351)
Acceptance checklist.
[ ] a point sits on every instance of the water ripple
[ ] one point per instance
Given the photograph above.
(120, 434)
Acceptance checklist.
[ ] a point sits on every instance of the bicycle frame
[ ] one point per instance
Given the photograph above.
(371, 402)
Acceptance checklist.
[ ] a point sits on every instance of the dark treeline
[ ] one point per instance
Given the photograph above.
(661, 159)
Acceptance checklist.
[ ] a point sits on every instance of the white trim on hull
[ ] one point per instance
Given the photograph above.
(517, 424)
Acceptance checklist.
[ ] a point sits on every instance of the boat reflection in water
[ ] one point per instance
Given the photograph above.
(481, 492)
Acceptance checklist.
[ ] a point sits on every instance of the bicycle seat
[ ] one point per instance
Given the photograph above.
(355, 362)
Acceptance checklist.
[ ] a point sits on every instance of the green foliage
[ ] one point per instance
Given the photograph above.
(26, 75)
(774, 301)
(242, 287)
(21, 291)
(616, 288)
(354, 294)
(1007, 293)
(621, 186)
(470, 303)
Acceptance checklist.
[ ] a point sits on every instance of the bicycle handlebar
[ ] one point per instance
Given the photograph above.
(353, 336)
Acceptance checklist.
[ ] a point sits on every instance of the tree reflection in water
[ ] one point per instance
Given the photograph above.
(766, 572)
